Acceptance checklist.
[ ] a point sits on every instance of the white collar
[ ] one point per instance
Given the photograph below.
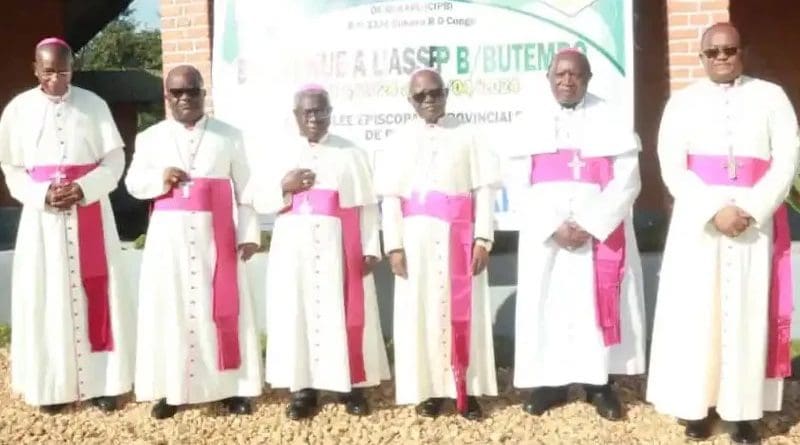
(201, 123)
(57, 99)
(321, 141)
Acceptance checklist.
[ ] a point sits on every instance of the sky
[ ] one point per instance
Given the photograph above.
(146, 13)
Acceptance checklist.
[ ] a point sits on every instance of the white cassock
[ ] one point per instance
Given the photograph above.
(306, 331)
(177, 348)
(446, 158)
(710, 332)
(51, 361)
(558, 340)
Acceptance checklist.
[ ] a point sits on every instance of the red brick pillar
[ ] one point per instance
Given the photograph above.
(686, 21)
(186, 33)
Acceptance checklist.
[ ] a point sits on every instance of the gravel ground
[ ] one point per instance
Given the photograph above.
(506, 423)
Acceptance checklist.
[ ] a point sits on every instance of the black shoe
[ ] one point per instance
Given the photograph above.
(474, 411)
(238, 405)
(544, 398)
(303, 404)
(745, 433)
(698, 429)
(106, 404)
(355, 403)
(53, 409)
(431, 407)
(605, 401)
(162, 410)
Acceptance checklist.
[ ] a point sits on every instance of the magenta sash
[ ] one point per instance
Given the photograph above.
(91, 255)
(609, 254)
(214, 195)
(458, 211)
(326, 202)
(712, 170)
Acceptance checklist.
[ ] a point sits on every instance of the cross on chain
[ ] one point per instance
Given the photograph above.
(186, 187)
(58, 177)
(576, 164)
(731, 166)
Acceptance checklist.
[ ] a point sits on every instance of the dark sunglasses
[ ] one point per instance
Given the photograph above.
(436, 94)
(177, 93)
(713, 53)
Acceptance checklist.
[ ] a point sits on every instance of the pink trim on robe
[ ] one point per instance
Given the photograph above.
(608, 255)
(458, 211)
(712, 170)
(214, 195)
(91, 255)
(326, 202)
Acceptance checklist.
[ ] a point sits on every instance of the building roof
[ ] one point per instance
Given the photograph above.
(85, 18)
(130, 86)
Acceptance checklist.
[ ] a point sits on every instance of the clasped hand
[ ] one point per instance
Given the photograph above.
(63, 196)
(731, 221)
(571, 236)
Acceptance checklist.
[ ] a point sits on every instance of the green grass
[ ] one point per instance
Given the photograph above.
(795, 348)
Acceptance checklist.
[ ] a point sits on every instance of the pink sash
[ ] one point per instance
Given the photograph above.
(214, 195)
(326, 202)
(457, 210)
(91, 255)
(609, 254)
(712, 170)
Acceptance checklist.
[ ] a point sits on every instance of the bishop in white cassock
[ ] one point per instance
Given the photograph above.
(323, 326)
(580, 302)
(62, 155)
(438, 184)
(197, 339)
(728, 149)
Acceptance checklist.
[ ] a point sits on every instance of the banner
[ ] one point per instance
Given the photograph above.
(493, 55)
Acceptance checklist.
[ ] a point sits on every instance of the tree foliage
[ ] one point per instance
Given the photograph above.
(124, 45)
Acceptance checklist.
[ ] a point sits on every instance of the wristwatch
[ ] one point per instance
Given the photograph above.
(485, 243)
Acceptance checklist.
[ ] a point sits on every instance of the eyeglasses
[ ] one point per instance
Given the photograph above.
(436, 94)
(713, 53)
(54, 74)
(318, 114)
(177, 93)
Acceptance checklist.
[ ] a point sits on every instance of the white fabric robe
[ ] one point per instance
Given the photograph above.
(176, 354)
(710, 331)
(446, 158)
(51, 361)
(306, 332)
(557, 339)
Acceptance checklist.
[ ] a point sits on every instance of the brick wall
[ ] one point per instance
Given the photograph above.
(186, 35)
(686, 21)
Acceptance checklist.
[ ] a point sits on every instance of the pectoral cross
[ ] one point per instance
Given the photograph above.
(731, 165)
(305, 207)
(576, 164)
(186, 188)
(58, 177)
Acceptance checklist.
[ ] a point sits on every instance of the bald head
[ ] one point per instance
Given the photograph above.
(569, 76)
(53, 66)
(575, 56)
(185, 94)
(721, 53)
(717, 28)
(427, 94)
(185, 72)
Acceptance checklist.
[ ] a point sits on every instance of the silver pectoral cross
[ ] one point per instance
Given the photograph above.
(305, 206)
(576, 164)
(186, 187)
(58, 177)
(731, 166)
